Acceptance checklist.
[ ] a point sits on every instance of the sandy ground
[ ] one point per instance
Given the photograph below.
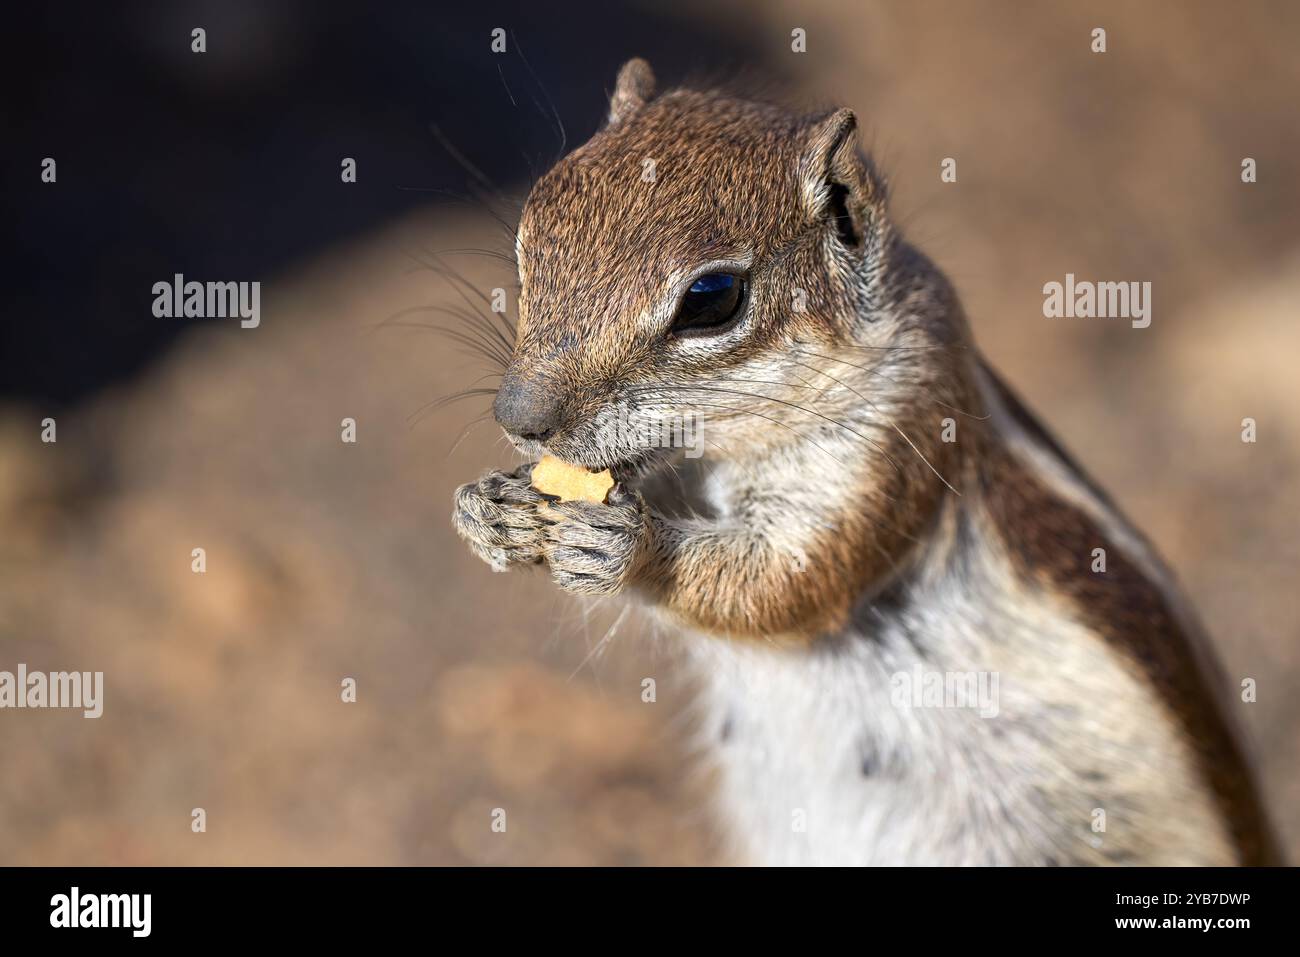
(478, 691)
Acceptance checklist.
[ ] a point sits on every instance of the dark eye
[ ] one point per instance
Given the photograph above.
(710, 305)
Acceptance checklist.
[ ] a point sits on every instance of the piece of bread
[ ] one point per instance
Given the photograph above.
(570, 483)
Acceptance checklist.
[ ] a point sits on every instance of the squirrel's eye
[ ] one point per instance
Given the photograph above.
(710, 305)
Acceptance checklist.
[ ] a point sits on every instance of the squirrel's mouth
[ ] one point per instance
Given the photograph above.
(628, 466)
(629, 469)
(622, 469)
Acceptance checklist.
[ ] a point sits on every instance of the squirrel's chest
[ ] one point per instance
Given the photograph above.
(816, 765)
(993, 743)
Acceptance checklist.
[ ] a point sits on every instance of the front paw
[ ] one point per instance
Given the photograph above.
(594, 549)
(497, 517)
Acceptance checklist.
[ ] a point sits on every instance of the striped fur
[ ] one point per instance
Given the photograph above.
(872, 503)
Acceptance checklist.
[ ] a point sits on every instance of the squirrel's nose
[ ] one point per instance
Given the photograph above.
(528, 409)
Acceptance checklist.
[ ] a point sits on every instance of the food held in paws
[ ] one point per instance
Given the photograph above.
(570, 483)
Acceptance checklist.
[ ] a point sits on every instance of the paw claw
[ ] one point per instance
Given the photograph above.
(591, 548)
(497, 518)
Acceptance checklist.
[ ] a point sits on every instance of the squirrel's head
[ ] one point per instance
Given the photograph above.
(673, 266)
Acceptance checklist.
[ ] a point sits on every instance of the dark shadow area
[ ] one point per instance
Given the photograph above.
(225, 165)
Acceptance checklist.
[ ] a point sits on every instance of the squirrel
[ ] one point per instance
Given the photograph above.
(874, 511)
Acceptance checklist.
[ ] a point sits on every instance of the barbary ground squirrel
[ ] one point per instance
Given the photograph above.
(704, 257)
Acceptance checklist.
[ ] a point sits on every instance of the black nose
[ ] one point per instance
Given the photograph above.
(528, 408)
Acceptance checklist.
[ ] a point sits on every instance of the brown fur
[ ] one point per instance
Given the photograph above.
(1051, 542)
(838, 488)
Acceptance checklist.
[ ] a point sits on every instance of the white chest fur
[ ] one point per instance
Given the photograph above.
(832, 756)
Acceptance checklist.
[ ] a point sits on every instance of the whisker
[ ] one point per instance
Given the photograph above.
(877, 522)
(476, 251)
(760, 415)
(502, 74)
(462, 287)
(466, 346)
(564, 137)
(878, 373)
(478, 346)
(783, 385)
(476, 202)
(892, 424)
(438, 403)
(463, 160)
(934, 347)
(797, 407)
(486, 332)
(605, 640)
(509, 336)
(464, 433)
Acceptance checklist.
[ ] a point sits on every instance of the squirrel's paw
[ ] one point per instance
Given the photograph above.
(592, 548)
(497, 517)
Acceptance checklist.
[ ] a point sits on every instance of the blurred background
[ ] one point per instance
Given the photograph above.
(328, 560)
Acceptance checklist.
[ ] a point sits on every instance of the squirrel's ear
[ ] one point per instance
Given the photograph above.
(836, 182)
(635, 85)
